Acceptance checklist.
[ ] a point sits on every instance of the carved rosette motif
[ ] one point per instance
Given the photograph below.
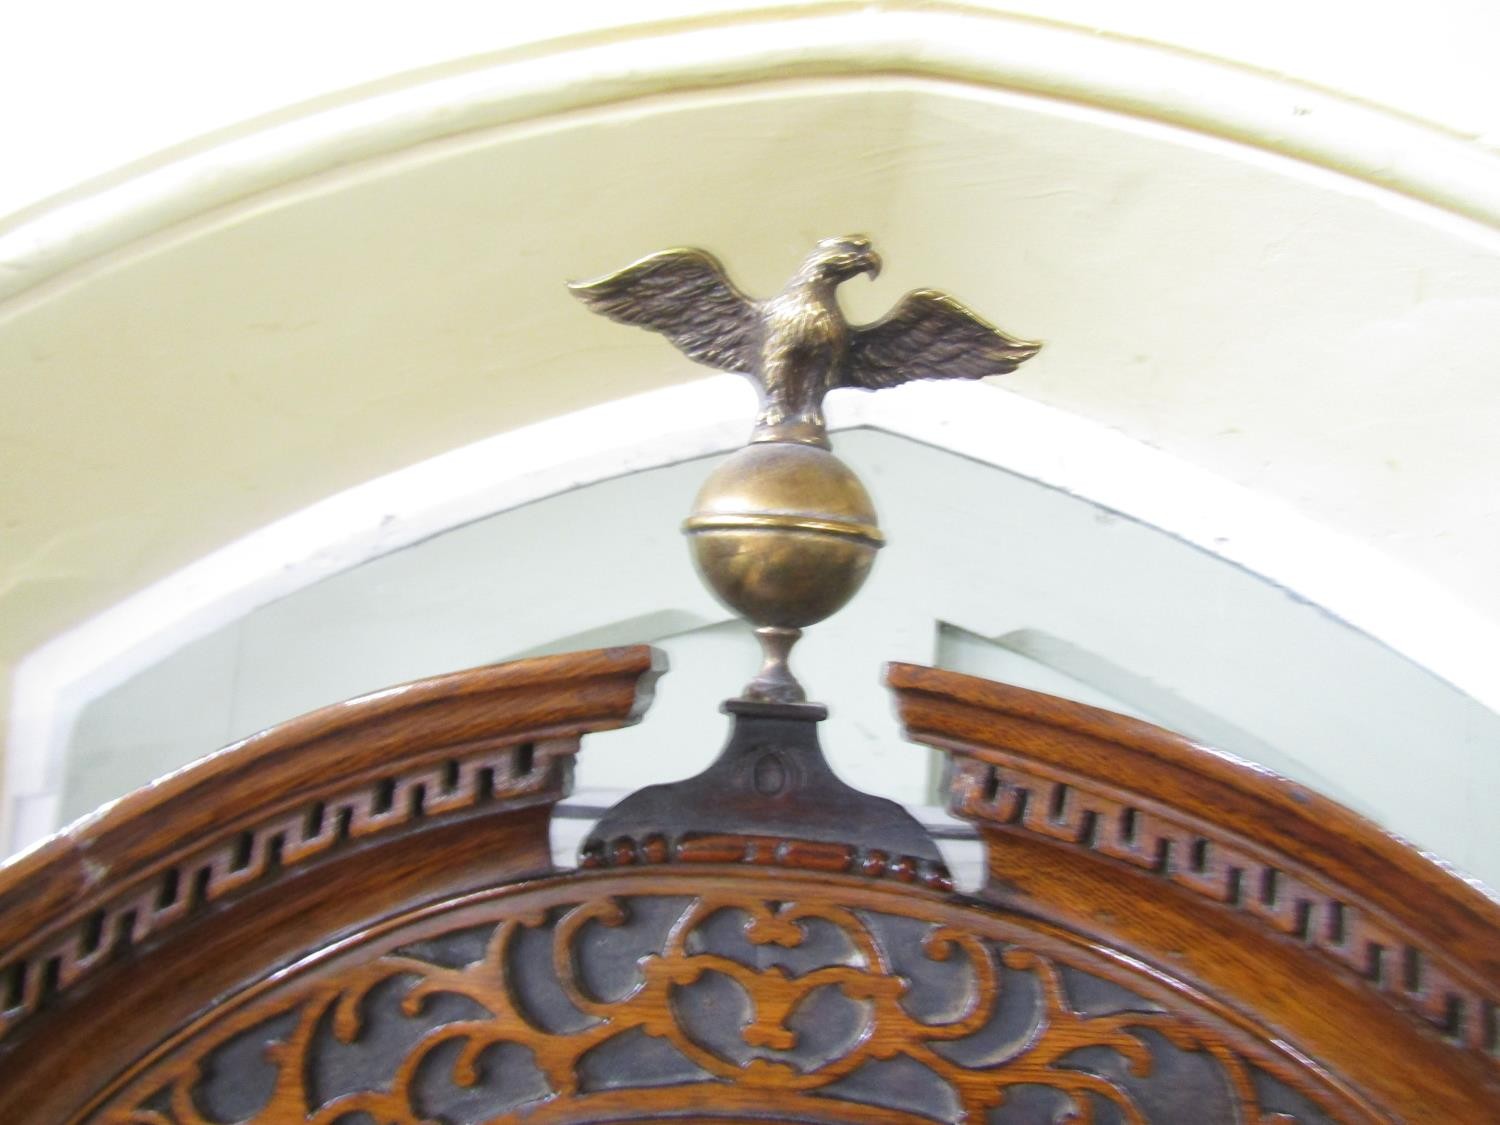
(633, 1002)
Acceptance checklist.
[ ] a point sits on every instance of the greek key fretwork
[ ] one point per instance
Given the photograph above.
(235, 860)
(1221, 866)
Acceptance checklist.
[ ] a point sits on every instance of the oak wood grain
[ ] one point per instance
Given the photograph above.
(1183, 937)
(501, 736)
(1355, 945)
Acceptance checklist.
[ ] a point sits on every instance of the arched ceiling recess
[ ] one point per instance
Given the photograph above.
(1285, 288)
(1165, 593)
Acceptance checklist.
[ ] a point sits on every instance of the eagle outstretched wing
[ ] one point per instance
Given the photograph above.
(684, 295)
(929, 335)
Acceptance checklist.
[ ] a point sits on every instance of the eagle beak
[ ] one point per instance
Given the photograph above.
(872, 264)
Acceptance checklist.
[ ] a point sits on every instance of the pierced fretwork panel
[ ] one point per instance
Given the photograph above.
(630, 997)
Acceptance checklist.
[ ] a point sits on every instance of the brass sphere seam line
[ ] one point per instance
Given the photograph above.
(863, 532)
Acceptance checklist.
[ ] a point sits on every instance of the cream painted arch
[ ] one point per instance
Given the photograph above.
(1446, 76)
(73, 268)
(988, 49)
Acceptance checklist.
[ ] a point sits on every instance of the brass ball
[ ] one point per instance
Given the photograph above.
(783, 533)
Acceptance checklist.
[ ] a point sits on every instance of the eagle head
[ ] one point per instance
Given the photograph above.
(839, 259)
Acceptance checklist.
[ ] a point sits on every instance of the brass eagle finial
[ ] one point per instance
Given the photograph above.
(783, 531)
(797, 346)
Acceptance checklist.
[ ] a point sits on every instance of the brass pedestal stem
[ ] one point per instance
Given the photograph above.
(774, 683)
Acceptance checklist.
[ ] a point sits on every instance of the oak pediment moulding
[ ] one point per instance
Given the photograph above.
(356, 917)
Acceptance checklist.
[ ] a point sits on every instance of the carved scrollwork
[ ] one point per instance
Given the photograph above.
(816, 1009)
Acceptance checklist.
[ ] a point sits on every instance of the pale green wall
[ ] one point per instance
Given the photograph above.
(985, 572)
